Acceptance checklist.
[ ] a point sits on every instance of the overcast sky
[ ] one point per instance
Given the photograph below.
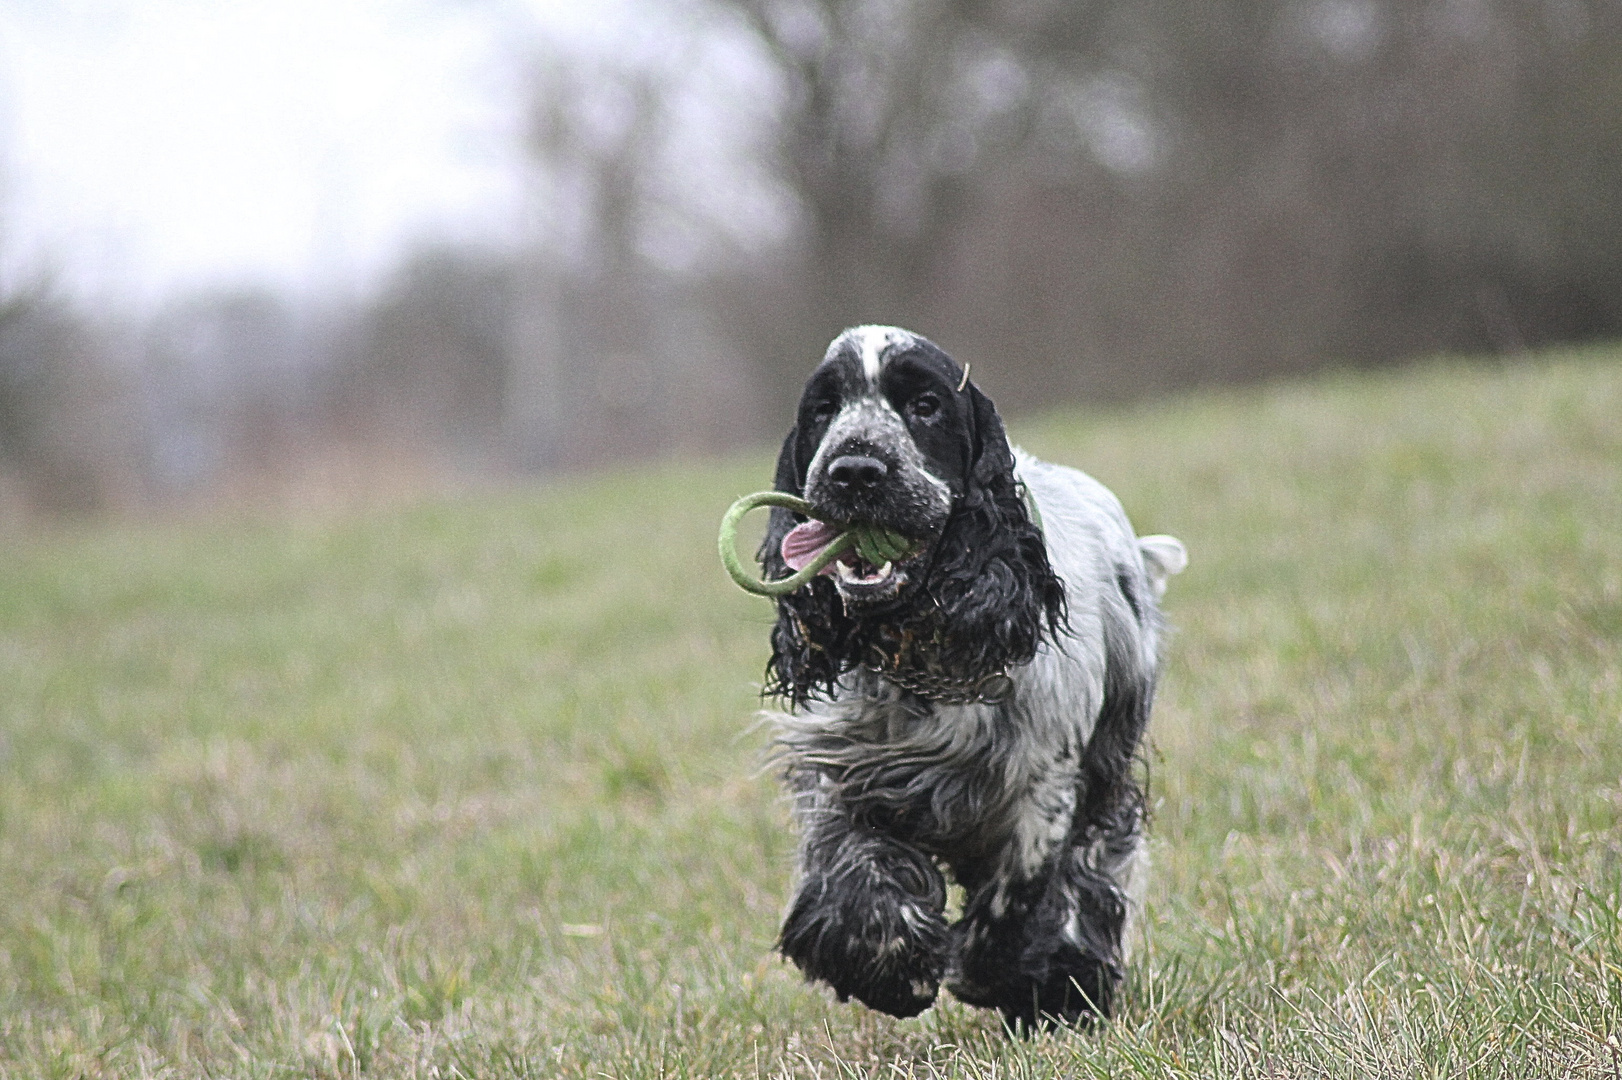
(149, 145)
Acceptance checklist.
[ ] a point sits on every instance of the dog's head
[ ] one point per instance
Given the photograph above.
(890, 432)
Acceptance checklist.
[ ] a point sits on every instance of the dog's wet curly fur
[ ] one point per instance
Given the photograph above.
(1028, 801)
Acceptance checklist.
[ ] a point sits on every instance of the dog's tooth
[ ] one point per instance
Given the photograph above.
(884, 571)
(844, 571)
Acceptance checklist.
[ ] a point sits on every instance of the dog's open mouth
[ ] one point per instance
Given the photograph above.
(856, 578)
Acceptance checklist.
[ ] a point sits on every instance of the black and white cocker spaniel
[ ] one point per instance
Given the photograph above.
(973, 709)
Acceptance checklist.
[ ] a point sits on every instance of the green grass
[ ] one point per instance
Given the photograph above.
(471, 787)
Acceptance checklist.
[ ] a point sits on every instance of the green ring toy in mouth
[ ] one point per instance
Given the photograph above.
(874, 544)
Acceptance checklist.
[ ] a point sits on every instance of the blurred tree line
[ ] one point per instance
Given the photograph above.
(1109, 198)
(1089, 199)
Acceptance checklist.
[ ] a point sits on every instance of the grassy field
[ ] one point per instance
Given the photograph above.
(471, 787)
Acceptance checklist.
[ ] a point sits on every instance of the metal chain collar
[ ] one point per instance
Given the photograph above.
(951, 689)
(914, 665)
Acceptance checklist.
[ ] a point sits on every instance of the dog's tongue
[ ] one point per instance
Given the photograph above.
(803, 543)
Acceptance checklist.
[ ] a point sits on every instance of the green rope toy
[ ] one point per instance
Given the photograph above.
(874, 543)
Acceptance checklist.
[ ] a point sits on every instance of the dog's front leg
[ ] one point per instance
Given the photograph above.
(868, 915)
(1042, 950)
(1046, 945)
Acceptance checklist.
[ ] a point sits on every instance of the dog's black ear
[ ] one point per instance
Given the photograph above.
(992, 582)
(787, 479)
(992, 466)
(808, 642)
(788, 465)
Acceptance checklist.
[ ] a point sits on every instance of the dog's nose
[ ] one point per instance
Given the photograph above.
(856, 473)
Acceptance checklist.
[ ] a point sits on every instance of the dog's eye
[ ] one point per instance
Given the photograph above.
(824, 409)
(925, 405)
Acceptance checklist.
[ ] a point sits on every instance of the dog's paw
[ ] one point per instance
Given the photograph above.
(1066, 986)
(873, 931)
(1031, 974)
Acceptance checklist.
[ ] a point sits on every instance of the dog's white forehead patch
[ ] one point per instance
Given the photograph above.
(870, 343)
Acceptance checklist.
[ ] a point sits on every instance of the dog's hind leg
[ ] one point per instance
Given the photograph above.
(868, 915)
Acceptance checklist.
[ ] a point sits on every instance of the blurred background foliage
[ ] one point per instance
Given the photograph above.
(1090, 201)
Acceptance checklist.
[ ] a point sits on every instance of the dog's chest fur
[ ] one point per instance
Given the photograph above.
(990, 788)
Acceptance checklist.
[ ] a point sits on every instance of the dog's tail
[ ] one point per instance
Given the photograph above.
(1163, 556)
